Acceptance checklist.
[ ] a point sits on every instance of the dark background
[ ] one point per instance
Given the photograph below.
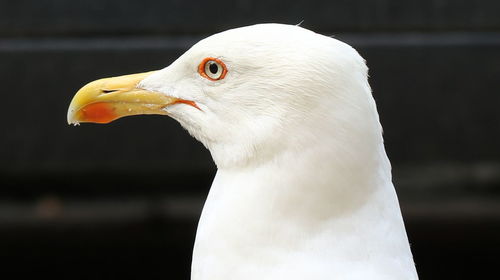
(122, 200)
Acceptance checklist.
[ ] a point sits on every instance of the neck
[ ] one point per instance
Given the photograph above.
(314, 214)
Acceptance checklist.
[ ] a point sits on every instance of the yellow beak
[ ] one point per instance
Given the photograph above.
(108, 99)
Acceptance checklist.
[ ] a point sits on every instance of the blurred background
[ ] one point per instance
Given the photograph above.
(123, 200)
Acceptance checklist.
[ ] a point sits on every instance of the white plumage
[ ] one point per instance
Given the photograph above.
(303, 188)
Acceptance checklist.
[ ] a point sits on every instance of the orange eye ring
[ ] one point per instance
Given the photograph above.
(212, 69)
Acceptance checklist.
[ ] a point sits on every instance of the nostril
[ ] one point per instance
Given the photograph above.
(108, 90)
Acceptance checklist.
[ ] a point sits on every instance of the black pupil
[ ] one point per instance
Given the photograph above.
(213, 68)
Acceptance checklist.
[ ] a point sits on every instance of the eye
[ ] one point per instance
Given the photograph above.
(212, 68)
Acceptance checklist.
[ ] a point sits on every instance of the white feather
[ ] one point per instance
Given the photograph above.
(303, 188)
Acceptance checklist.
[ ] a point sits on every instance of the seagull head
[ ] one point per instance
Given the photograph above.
(246, 93)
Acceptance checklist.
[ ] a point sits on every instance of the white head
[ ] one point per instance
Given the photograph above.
(280, 79)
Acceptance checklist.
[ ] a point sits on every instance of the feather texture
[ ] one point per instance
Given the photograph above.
(303, 188)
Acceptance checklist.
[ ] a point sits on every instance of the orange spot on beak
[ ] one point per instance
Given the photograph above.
(99, 112)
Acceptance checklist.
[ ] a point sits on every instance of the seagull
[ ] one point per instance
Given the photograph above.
(303, 188)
